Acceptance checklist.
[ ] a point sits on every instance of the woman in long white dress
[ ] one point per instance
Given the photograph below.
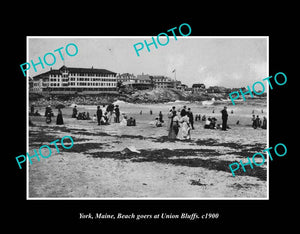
(124, 120)
(184, 129)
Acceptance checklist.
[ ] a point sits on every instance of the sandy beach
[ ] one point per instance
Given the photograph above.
(97, 166)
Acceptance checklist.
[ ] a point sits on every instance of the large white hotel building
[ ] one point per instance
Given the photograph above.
(74, 80)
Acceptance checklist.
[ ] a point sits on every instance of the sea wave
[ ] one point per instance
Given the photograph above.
(206, 103)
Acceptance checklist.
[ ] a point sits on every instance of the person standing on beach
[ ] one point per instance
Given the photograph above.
(191, 117)
(183, 111)
(59, 118)
(264, 124)
(254, 122)
(258, 121)
(109, 110)
(160, 117)
(170, 116)
(99, 115)
(224, 118)
(174, 124)
(48, 114)
(74, 114)
(48, 111)
(117, 113)
(184, 129)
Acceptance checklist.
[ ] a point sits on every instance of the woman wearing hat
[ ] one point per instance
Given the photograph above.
(59, 118)
(117, 113)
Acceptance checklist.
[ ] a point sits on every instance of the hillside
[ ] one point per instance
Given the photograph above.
(140, 96)
(167, 95)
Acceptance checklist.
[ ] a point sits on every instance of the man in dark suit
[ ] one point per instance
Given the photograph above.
(183, 111)
(224, 118)
(117, 113)
(191, 117)
(99, 114)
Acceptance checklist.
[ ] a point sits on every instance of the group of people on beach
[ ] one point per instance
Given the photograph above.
(49, 114)
(181, 122)
(107, 114)
(257, 123)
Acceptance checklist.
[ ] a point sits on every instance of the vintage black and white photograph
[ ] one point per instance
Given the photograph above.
(108, 122)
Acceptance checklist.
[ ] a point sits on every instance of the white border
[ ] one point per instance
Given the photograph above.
(139, 198)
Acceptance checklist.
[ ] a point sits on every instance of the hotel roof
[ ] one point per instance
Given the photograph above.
(74, 70)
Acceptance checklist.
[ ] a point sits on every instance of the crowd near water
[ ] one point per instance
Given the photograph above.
(179, 120)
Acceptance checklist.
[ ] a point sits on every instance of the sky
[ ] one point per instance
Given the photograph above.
(222, 61)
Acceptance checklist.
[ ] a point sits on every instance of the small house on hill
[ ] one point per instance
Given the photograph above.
(198, 87)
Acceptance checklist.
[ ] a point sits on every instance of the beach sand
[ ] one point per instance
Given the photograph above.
(97, 166)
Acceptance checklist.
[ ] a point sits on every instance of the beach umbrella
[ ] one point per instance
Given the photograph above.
(60, 106)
